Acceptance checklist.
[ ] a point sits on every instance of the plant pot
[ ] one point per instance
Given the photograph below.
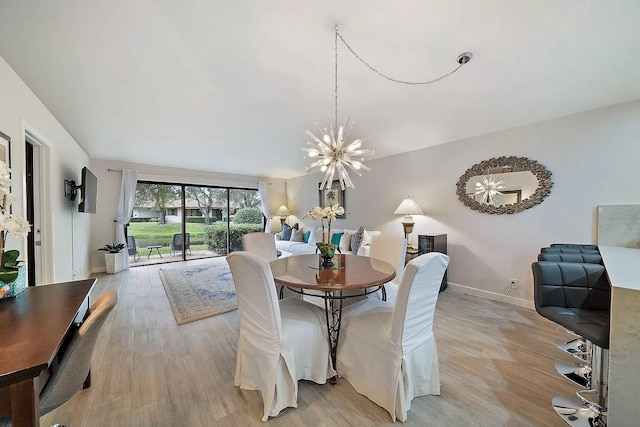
(327, 251)
(15, 287)
(113, 262)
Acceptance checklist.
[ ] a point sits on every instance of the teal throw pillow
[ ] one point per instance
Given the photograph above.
(335, 239)
(306, 236)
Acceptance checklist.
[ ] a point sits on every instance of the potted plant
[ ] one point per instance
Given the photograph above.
(326, 248)
(13, 278)
(112, 258)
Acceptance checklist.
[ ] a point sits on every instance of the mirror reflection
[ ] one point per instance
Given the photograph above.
(504, 185)
(502, 188)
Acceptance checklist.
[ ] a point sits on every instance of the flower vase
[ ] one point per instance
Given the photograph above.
(327, 251)
(15, 287)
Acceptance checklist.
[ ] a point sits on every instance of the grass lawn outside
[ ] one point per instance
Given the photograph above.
(154, 233)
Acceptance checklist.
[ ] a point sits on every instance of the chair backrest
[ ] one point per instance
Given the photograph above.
(177, 241)
(564, 250)
(392, 249)
(76, 361)
(412, 319)
(132, 247)
(258, 306)
(570, 285)
(261, 244)
(574, 246)
(571, 257)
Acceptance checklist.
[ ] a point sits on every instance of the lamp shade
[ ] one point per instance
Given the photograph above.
(408, 207)
(283, 211)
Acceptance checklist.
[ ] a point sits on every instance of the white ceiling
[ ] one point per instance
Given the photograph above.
(231, 86)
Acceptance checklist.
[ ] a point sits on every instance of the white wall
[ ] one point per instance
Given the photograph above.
(594, 160)
(102, 227)
(69, 232)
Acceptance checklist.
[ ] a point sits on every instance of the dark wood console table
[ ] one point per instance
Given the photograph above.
(433, 243)
(35, 327)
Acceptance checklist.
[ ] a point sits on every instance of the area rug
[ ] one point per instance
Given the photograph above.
(199, 290)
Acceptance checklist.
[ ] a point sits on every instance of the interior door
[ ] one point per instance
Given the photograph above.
(31, 237)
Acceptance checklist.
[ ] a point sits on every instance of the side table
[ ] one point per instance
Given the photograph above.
(151, 248)
(411, 254)
(433, 243)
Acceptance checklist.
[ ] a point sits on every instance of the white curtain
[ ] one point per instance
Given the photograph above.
(125, 209)
(263, 188)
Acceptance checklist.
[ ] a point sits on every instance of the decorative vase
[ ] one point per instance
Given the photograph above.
(327, 251)
(16, 287)
(113, 262)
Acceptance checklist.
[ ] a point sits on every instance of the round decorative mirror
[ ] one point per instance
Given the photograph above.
(504, 185)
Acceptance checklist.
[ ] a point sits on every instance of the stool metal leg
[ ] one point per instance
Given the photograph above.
(576, 347)
(574, 412)
(588, 407)
(577, 373)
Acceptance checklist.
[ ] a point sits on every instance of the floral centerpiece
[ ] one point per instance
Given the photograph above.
(10, 268)
(326, 248)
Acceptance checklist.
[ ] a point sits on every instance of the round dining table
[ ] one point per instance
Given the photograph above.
(360, 275)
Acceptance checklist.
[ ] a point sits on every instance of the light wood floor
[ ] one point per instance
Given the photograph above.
(496, 367)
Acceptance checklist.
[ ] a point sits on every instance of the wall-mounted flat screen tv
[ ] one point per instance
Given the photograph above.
(89, 191)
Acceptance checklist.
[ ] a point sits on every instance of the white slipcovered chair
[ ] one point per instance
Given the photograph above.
(388, 352)
(392, 249)
(262, 244)
(280, 342)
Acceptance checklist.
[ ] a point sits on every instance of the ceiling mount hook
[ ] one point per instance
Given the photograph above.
(464, 57)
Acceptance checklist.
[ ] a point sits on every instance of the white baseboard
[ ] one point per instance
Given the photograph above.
(520, 302)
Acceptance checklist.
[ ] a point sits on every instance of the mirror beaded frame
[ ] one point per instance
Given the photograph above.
(538, 170)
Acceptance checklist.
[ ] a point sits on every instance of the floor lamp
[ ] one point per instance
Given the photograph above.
(408, 208)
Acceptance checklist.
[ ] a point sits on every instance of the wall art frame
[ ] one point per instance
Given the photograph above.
(331, 196)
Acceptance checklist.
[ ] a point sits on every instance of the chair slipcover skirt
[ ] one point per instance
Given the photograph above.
(280, 342)
(388, 351)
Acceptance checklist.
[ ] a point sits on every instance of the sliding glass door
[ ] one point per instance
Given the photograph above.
(175, 222)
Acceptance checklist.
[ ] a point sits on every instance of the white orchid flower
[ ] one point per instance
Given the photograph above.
(16, 225)
(5, 171)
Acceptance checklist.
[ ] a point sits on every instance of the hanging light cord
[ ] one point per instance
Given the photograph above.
(336, 74)
(463, 58)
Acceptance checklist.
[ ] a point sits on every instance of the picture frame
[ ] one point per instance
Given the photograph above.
(331, 196)
(5, 149)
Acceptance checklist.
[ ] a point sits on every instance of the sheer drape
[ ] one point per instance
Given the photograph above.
(125, 209)
(263, 188)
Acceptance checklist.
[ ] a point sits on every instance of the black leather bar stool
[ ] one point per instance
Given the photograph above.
(578, 297)
(578, 373)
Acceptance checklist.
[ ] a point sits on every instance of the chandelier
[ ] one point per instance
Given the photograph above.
(488, 188)
(331, 153)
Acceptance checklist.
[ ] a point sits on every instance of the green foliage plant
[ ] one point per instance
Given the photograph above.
(248, 216)
(215, 236)
(113, 249)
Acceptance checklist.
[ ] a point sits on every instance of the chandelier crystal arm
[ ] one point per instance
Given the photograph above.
(463, 58)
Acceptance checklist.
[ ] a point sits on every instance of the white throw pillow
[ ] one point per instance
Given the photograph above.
(345, 242)
(366, 239)
(315, 237)
(297, 236)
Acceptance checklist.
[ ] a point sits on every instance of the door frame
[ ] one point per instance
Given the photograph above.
(43, 256)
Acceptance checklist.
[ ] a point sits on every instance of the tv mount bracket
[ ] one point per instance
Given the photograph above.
(71, 189)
